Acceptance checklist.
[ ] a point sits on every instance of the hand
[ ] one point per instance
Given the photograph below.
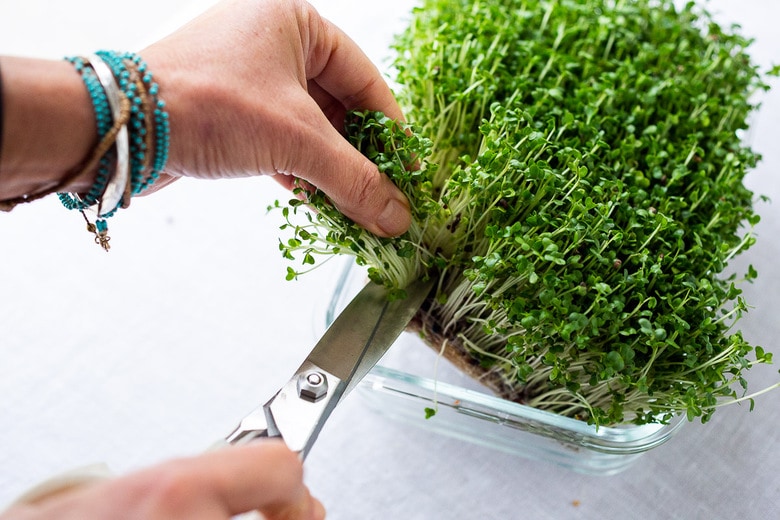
(252, 87)
(263, 476)
(261, 87)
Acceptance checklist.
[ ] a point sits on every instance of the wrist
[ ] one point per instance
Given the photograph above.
(49, 126)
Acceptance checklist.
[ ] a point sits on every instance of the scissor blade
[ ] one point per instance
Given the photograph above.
(365, 330)
(351, 346)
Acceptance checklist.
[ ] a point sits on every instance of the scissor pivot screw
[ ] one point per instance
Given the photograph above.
(312, 386)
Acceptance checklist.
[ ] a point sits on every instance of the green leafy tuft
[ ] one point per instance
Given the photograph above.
(575, 171)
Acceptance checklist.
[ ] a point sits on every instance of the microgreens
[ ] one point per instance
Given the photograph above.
(575, 171)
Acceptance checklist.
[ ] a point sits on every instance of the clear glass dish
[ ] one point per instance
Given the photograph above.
(412, 377)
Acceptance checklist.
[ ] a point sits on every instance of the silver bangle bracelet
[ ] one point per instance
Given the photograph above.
(115, 189)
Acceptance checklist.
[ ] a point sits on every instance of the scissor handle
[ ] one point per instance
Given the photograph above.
(253, 426)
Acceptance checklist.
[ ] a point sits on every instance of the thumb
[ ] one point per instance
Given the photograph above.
(353, 183)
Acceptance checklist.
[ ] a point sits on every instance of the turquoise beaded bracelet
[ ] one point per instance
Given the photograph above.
(104, 122)
(138, 84)
(138, 144)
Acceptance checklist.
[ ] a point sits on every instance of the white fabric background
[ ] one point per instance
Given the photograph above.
(156, 349)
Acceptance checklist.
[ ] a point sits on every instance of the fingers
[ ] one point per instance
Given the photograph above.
(340, 67)
(341, 77)
(364, 194)
(353, 183)
(263, 476)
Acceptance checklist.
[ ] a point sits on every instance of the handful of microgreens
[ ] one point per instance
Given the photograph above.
(575, 173)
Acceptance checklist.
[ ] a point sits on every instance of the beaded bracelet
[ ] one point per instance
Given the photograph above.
(135, 140)
(120, 111)
(96, 160)
(148, 121)
(104, 123)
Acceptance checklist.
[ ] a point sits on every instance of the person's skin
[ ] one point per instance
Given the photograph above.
(253, 87)
(263, 476)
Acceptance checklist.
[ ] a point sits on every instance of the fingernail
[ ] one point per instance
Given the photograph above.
(395, 218)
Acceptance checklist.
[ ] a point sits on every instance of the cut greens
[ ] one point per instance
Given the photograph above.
(575, 170)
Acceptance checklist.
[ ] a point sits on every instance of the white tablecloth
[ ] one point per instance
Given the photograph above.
(156, 349)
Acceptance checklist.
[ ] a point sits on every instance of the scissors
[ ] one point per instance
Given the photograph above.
(350, 347)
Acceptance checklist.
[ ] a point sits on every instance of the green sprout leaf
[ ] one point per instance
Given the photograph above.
(575, 174)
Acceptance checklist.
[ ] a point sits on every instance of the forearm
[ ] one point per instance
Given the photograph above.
(48, 128)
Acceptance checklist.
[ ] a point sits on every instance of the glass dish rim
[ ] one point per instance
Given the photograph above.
(621, 439)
